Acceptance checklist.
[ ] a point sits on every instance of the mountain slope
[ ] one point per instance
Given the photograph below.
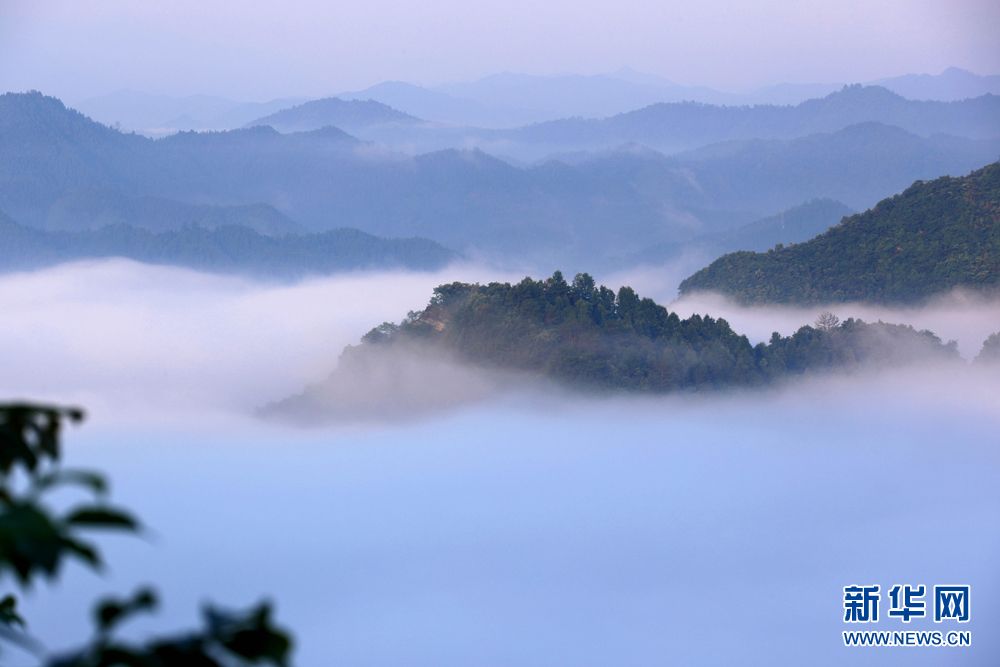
(934, 236)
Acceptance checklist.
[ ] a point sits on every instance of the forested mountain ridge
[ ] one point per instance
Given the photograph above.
(587, 337)
(933, 237)
(225, 249)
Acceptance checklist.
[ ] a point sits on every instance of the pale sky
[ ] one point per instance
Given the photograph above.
(254, 50)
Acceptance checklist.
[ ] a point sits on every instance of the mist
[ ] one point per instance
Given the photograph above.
(125, 338)
(960, 315)
(530, 528)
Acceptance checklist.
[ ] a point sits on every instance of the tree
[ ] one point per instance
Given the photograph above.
(827, 321)
(35, 541)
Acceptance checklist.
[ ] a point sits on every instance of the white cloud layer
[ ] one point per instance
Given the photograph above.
(128, 339)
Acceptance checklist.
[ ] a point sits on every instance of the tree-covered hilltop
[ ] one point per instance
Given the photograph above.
(934, 236)
(589, 336)
(225, 249)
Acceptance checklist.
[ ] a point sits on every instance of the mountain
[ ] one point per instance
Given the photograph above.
(139, 111)
(952, 84)
(90, 209)
(58, 169)
(604, 95)
(794, 225)
(933, 237)
(333, 111)
(682, 126)
(160, 115)
(858, 165)
(440, 107)
(585, 337)
(225, 249)
(568, 95)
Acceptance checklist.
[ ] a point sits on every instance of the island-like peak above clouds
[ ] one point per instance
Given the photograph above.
(935, 236)
(471, 340)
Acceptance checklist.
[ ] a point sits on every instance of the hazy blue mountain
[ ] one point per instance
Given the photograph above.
(952, 84)
(443, 108)
(675, 127)
(159, 115)
(228, 249)
(568, 95)
(609, 204)
(858, 166)
(604, 95)
(142, 112)
(682, 126)
(794, 225)
(783, 94)
(333, 111)
(90, 209)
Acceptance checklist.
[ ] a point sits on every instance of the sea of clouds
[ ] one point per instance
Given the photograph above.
(528, 528)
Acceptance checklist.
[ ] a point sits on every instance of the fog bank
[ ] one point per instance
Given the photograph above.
(135, 341)
(540, 529)
(122, 337)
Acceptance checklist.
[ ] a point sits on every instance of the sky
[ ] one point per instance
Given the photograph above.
(255, 50)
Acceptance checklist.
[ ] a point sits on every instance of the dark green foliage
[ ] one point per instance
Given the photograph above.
(588, 336)
(934, 236)
(229, 248)
(35, 540)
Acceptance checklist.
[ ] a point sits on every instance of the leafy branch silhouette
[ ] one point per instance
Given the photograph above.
(35, 541)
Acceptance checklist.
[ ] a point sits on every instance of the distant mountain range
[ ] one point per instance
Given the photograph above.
(935, 236)
(58, 169)
(160, 115)
(951, 85)
(226, 249)
(506, 101)
(668, 128)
